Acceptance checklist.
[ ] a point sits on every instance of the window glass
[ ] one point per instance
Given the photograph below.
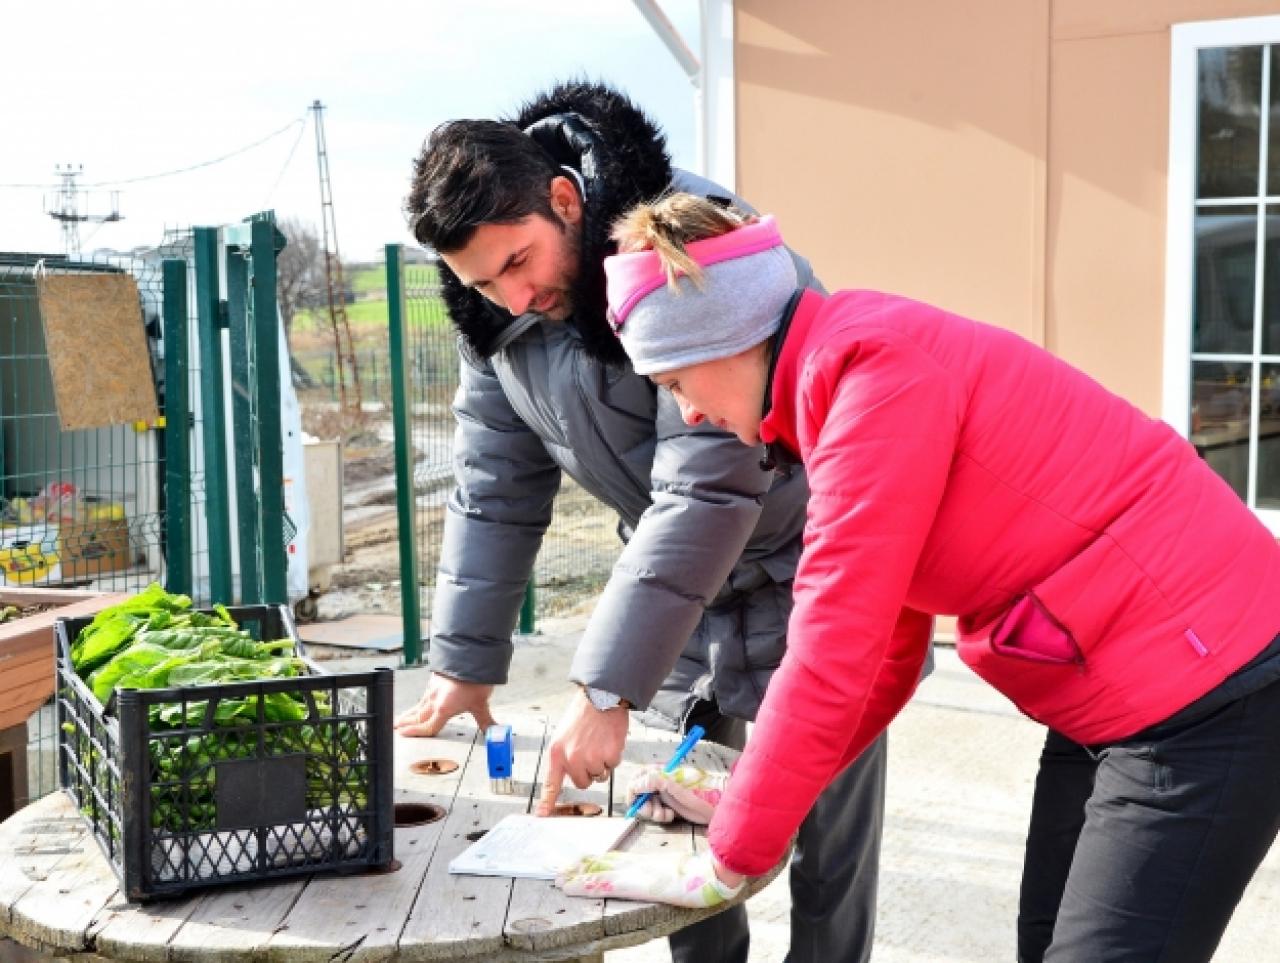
(1226, 259)
(1220, 410)
(1269, 437)
(1230, 113)
(1271, 283)
(1273, 135)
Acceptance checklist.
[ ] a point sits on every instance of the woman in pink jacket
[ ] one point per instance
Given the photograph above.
(1105, 579)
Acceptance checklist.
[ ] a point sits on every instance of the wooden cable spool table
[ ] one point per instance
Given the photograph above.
(58, 894)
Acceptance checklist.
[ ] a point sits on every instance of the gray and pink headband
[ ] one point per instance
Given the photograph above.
(748, 278)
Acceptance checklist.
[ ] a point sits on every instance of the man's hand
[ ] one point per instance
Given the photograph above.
(443, 699)
(587, 746)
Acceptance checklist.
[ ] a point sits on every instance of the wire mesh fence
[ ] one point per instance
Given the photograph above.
(580, 547)
(42, 752)
(79, 508)
(316, 371)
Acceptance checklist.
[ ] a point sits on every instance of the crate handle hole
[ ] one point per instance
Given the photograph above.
(476, 836)
(417, 814)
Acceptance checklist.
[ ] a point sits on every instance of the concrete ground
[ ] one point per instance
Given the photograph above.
(961, 770)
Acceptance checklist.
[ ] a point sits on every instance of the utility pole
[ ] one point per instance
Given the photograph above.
(64, 206)
(343, 344)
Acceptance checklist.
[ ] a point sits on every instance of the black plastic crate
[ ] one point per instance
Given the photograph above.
(197, 803)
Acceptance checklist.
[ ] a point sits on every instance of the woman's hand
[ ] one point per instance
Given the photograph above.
(688, 879)
(688, 792)
(727, 876)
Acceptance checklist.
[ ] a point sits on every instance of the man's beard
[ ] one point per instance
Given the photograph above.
(569, 268)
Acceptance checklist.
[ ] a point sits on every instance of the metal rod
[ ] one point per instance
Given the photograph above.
(410, 604)
(529, 610)
(670, 36)
(177, 430)
(213, 416)
(266, 328)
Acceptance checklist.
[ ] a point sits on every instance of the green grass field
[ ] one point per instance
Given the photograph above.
(369, 310)
(365, 281)
(372, 281)
(422, 312)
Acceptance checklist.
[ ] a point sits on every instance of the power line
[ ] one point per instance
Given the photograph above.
(287, 161)
(182, 170)
(208, 163)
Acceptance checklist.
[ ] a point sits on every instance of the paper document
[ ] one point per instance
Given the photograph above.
(534, 847)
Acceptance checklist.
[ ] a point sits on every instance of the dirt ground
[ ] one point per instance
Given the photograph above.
(573, 564)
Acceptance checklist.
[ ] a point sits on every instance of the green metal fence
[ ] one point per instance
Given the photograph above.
(84, 507)
(581, 546)
(116, 508)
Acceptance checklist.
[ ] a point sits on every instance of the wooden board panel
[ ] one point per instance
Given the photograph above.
(57, 892)
(65, 895)
(26, 656)
(26, 688)
(97, 349)
(541, 917)
(364, 915)
(140, 932)
(234, 922)
(457, 917)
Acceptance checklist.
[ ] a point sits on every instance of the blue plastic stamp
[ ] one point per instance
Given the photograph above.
(497, 743)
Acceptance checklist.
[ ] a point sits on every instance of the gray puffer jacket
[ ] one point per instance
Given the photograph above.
(697, 604)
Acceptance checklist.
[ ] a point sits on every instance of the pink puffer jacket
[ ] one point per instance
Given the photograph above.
(1104, 576)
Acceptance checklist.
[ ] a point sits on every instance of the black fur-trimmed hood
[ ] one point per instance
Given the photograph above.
(622, 157)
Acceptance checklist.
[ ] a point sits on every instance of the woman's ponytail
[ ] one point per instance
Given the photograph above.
(666, 225)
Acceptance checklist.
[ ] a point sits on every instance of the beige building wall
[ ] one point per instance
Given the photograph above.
(1002, 158)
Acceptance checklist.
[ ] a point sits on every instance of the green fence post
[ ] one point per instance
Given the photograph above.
(213, 421)
(266, 325)
(410, 604)
(242, 433)
(177, 427)
(528, 610)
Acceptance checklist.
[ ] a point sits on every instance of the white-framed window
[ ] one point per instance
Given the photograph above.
(1222, 276)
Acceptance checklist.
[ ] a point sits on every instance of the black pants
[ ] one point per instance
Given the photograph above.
(834, 871)
(1140, 850)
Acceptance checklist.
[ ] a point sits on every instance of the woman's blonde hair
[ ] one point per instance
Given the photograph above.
(666, 225)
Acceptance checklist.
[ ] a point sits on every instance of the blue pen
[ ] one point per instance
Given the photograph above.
(695, 733)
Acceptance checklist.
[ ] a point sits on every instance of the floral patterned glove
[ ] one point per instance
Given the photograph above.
(688, 792)
(681, 879)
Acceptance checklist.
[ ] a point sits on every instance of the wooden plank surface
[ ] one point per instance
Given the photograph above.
(70, 880)
(463, 917)
(57, 891)
(140, 932)
(22, 863)
(541, 918)
(233, 923)
(23, 595)
(364, 916)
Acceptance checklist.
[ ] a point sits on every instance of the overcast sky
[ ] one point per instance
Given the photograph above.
(135, 88)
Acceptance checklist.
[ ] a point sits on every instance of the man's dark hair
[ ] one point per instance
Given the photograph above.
(475, 172)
